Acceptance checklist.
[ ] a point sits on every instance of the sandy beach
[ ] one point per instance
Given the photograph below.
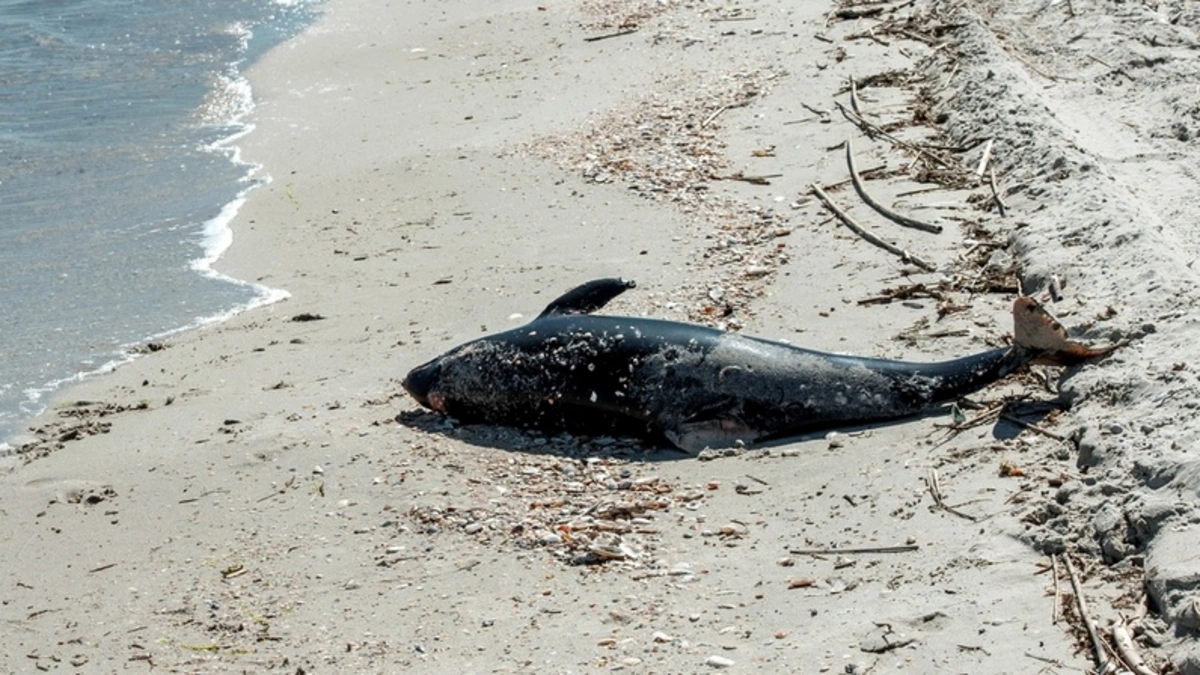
(261, 495)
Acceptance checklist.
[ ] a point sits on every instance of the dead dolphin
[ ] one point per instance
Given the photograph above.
(699, 387)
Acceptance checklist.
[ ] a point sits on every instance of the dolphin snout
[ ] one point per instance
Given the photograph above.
(420, 381)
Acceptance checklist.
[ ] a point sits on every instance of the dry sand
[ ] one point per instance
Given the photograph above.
(260, 496)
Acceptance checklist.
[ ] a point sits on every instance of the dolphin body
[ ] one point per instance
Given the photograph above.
(698, 387)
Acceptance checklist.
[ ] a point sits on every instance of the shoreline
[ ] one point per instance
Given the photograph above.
(234, 105)
(261, 494)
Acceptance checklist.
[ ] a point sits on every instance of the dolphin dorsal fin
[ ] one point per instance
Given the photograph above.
(588, 297)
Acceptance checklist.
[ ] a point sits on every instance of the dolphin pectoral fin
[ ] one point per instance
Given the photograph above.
(588, 297)
(713, 433)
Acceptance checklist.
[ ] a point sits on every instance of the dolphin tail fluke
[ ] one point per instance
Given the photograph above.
(1038, 332)
(588, 297)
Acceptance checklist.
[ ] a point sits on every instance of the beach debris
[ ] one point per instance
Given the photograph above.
(1098, 648)
(1128, 653)
(898, 218)
(149, 348)
(665, 147)
(597, 38)
(866, 234)
(903, 548)
(717, 661)
(933, 481)
(1010, 470)
(233, 571)
(588, 510)
(307, 316)
(883, 639)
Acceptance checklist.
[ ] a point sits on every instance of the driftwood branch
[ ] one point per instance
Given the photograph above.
(883, 210)
(865, 234)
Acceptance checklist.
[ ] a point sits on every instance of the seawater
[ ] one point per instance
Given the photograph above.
(119, 176)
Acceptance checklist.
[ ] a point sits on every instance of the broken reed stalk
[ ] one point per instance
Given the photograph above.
(860, 231)
(996, 193)
(1086, 618)
(883, 210)
(983, 161)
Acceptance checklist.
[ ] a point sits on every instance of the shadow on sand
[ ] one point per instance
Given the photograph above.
(652, 449)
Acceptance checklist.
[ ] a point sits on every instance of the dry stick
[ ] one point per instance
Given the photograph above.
(1086, 618)
(830, 551)
(873, 130)
(1057, 602)
(914, 36)
(1127, 651)
(996, 194)
(820, 113)
(1028, 64)
(764, 179)
(1033, 427)
(935, 489)
(918, 191)
(597, 38)
(869, 34)
(1119, 71)
(883, 210)
(714, 116)
(854, 97)
(858, 229)
(983, 161)
(864, 172)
